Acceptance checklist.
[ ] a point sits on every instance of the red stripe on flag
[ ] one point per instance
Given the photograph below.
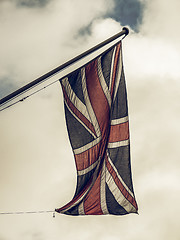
(75, 199)
(77, 112)
(92, 202)
(119, 184)
(97, 98)
(116, 59)
(88, 157)
(119, 132)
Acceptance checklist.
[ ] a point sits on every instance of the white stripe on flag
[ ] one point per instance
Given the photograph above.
(81, 209)
(121, 180)
(87, 146)
(118, 195)
(86, 192)
(118, 144)
(103, 82)
(118, 74)
(88, 104)
(88, 169)
(112, 68)
(119, 120)
(78, 201)
(74, 99)
(103, 190)
(79, 120)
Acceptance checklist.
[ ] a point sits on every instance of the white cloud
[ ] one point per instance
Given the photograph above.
(155, 51)
(38, 40)
(149, 58)
(103, 28)
(161, 19)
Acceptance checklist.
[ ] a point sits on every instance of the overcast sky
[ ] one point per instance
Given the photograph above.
(37, 169)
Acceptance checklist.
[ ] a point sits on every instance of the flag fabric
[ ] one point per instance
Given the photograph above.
(96, 111)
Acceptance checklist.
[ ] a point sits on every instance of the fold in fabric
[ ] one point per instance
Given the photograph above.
(96, 111)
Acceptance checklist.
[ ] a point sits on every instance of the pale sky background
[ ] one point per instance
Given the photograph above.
(37, 169)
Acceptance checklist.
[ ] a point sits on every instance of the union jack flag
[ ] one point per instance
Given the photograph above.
(97, 121)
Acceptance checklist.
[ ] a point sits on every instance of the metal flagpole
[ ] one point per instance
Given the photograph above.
(125, 31)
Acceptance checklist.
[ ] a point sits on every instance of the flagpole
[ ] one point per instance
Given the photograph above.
(125, 31)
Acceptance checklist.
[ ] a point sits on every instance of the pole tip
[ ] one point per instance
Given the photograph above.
(126, 30)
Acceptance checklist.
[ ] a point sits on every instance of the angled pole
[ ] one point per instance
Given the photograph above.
(125, 31)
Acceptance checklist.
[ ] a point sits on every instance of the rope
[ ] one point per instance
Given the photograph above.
(28, 212)
(24, 98)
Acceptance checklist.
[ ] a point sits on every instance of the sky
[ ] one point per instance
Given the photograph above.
(37, 169)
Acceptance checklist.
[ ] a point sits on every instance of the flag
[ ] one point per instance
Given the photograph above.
(96, 111)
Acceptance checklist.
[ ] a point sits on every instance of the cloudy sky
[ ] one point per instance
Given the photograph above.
(37, 170)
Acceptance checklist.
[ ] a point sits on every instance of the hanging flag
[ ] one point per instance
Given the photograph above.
(97, 121)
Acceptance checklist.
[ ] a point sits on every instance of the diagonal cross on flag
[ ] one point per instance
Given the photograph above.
(97, 121)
